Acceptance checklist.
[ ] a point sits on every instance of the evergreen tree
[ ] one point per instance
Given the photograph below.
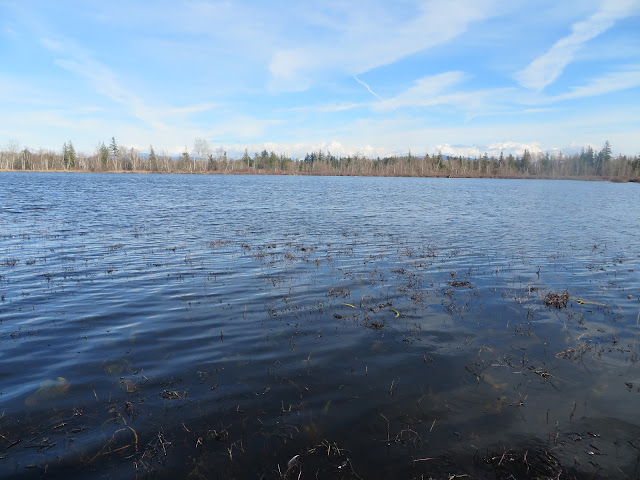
(246, 159)
(526, 161)
(68, 155)
(587, 159)
(185, 155)
(606, 151)
(113, 147)
(604, 158)
(153, 160)
(103, 155)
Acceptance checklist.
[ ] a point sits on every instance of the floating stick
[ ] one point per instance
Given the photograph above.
(580, 301)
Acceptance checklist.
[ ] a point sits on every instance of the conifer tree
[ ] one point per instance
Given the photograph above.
(103, 155)
(153, 160)
(68, 156)
(113, 147)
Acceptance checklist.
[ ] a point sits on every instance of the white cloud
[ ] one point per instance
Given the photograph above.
(285, 67)
(611, 82)
(197, 108)
(537, 110)
(339, 149)
(431, 91)
(365, 85)
(300, 149)
(325, 108)
(545, 69)
(438, 90)
(19, 90)
(426, 91)
(374, 36)
(420, 133)
(80, 62)
(494, 149)
(107, 83)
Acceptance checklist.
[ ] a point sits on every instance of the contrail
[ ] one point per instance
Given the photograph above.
(367, 87)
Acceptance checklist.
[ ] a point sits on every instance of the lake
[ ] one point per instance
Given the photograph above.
(174, 326)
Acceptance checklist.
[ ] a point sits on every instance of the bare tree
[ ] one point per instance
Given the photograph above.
(200, 150)
(25, 157)
(12, 150)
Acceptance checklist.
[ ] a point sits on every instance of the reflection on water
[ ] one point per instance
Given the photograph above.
(317, 327)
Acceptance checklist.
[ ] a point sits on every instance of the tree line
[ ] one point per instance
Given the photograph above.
(111, 157)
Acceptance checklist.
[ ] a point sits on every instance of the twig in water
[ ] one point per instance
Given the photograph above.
(14, 443)
(293, 383)
(427, 459)
(388, 436)
(502, 458)
(350, 466)
(135, 435)
(573, 411)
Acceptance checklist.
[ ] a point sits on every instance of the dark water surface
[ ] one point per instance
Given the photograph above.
(159, 326)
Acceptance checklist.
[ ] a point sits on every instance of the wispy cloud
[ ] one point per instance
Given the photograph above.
(327, 108)
(434, 90)
(426, 91)
(198, 108)
(79, 61)
(20, 91)
(374, 36)
(545, 69)
(366, 86)
(107, 83)
(608, 83)
(445, 90)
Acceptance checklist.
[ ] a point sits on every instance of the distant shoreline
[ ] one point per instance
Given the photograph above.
(584, 178)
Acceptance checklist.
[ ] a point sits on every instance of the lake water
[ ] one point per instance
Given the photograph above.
(161, 326)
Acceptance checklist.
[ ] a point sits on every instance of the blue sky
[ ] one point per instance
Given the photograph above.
(373, 78)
